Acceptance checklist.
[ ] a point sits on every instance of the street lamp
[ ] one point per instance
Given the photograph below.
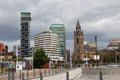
(96, 49)
(89, 55)
(116, 56)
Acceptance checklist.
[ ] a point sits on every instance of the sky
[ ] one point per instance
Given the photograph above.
(97, 17)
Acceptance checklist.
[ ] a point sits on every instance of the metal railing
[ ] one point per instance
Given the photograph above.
(100, 73)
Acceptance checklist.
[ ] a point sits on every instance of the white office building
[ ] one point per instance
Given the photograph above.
(50, 43)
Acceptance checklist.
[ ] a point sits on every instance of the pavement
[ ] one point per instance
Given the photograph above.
(31, 74)
(73, 74)
(108, 73)
(97, 77)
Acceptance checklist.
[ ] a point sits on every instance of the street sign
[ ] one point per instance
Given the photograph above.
(96, 57)
(86, 59)
(24, 64)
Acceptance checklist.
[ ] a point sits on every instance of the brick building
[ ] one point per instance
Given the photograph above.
(1, 49)
(90, 49)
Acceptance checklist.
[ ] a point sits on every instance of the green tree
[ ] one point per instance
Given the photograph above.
(40, 58)
(14, 57)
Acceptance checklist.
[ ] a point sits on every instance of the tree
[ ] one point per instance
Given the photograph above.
(14, 57)
(40, 58)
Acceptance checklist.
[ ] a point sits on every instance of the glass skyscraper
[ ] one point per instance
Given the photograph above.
(59, 29)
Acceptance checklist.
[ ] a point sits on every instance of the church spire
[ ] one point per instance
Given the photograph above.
(78, 27)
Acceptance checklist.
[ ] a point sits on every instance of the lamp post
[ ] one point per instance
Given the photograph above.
(89, 55)
(116, 56)
(96, 49)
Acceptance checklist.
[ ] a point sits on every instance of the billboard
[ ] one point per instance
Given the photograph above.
(6, 66)
(19, 65)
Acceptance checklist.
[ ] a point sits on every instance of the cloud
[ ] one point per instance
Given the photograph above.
(99, 17)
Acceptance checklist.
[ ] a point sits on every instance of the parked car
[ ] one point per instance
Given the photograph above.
(88, 66)
(113, 65)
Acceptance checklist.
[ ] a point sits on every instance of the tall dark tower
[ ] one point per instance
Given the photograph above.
(25, 34)
(78, 43)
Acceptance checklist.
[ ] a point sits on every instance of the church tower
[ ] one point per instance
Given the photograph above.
(78, 43)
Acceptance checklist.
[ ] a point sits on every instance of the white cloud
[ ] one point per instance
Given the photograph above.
(96, 17)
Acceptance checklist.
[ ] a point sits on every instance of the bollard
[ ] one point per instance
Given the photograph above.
(13, 75)
(101, 76)
(52, 71)
(27, 74)
(55, 71)
(40, 70)
(49, 72)
(67, 75)
(34, 73)
(45, 72)
(9, 78)
(59, 70)
(41, 76)
(22, 76)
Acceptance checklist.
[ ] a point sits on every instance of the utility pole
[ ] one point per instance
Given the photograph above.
(96, 49)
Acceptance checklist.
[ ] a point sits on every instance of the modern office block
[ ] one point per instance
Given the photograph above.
(59, 29)
(25, 34)
(49, 42)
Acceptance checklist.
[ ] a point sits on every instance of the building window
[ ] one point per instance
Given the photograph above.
(77, 40)
(78, 57)
(78, 50)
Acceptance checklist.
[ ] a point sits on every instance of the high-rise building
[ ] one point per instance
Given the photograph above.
(78, 43)
(17, 50)
(59, 29)
(1, 49)
(67, 55)
(25, 34)
(49, 42)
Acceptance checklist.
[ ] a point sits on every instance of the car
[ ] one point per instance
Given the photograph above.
(113, 65)
(88, 66)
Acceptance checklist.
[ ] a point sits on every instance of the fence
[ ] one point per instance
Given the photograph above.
(42, 74)
(32, 74)
(104, 73)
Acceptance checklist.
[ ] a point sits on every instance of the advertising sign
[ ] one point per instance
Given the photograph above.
(5, 67)
(96, 57)
(19, 65)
